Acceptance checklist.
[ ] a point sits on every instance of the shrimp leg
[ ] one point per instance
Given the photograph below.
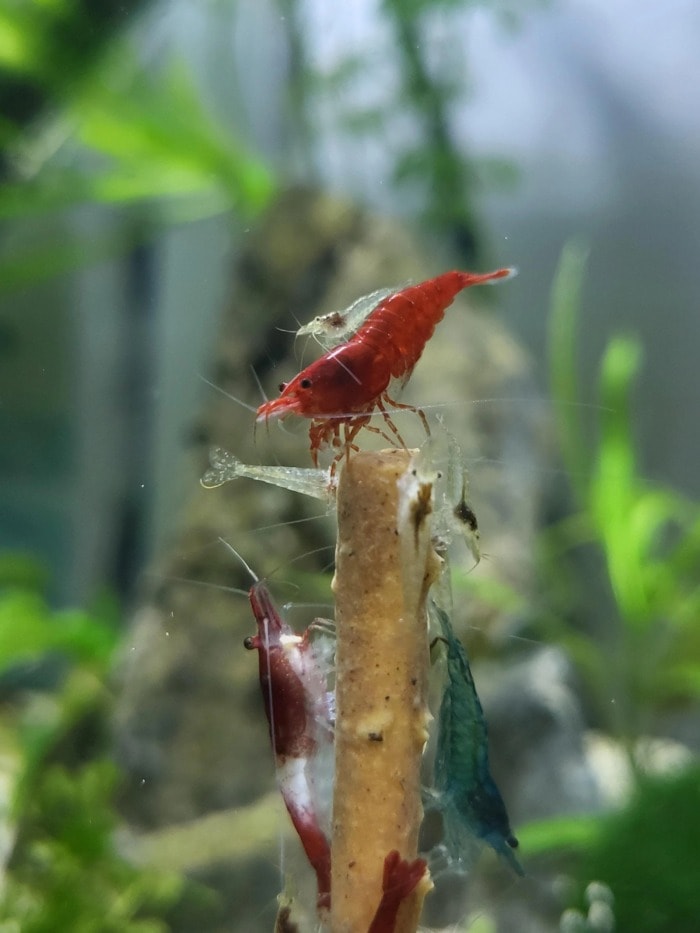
(390, 440)
(403, 406)
(400, 880)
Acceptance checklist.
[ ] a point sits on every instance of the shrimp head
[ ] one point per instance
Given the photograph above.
(348, 379)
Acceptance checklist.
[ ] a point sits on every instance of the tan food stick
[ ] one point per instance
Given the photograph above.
(384, 566)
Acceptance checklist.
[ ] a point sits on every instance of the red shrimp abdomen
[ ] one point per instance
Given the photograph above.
(404, 322)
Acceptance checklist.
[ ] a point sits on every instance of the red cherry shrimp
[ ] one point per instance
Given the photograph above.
(300, 716)
(345, 387)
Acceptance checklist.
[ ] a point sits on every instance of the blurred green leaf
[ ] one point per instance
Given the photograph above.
(141, 137)
(163, 126)
(22, 571)
(21, 39)
(57, 190)
(683, 679)
(685, 554)
(649, 536)
(562, 341)
(575, 833)
(413, 164)
(410, 9)
(490, 590)
(635, 522)
(145, 138)
(24, 627)
(613, 491)
(28, 630)
(687, 610)
(84, 637)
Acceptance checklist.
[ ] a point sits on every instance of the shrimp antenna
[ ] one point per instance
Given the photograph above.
(255, 577)
(235, 553)
(288, 563)
(316, 550)
(291, 521)
(192, 582)
(233, 398)
(258, 383)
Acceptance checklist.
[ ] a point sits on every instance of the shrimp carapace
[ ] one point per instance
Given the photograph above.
(348, 383)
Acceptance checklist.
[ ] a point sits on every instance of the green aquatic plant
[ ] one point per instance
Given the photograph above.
(648, 653)
(65, 874)
(409, 113)
(99, 128)
(638, 644)
(61, 868)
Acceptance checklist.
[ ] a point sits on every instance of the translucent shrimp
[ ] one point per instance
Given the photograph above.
(455, 515)
(466, 794)
(300, 715)
(337, 326)
(351, 381)
(226, 466)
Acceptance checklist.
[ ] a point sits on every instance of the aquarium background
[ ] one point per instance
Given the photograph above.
(145, 148)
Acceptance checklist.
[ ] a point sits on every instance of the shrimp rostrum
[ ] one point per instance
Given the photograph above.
(343, 389)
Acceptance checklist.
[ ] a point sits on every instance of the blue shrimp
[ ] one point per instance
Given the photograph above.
(467, 795)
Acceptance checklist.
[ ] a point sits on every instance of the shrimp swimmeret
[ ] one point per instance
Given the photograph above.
(351, 381)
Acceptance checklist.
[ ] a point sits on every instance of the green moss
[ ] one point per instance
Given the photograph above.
(64, 873)
(63, 870)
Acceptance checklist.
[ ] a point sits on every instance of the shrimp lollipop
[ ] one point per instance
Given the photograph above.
(351, 381)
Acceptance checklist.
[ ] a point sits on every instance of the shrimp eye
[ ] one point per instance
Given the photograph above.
(305, 384)
(248, 643)
(282, 386)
